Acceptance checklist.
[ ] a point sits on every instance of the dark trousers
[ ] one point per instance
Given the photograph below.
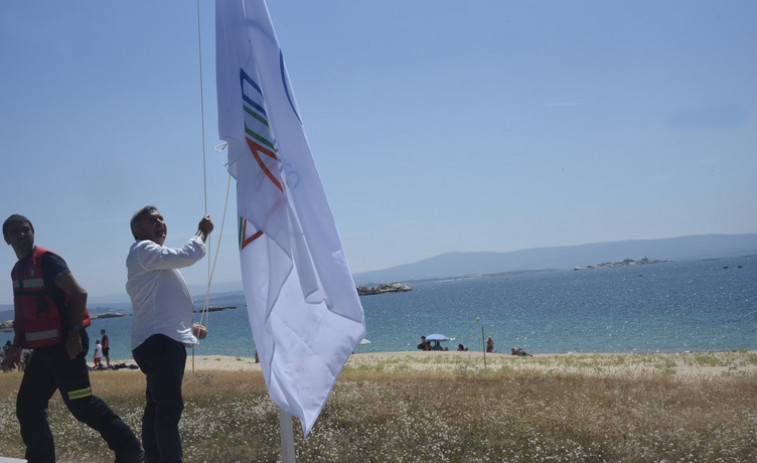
(162, 359)
(50, 368)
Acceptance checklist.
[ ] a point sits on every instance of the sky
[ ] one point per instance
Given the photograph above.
(436, 125)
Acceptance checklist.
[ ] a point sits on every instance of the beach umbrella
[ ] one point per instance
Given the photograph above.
(437, 337)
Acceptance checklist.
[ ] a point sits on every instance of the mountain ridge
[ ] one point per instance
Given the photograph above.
(458, 264)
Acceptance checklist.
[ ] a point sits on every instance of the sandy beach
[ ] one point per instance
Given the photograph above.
(689, 364)
(686, 364)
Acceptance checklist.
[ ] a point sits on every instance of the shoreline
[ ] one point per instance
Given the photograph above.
(683, 364)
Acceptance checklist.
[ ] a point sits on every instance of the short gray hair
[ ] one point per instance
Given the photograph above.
(139, 217)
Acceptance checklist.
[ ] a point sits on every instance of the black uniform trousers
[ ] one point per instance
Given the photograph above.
(162, 360)
(50, 368)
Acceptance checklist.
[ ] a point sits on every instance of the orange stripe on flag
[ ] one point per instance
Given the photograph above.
(256, 148)
(247, 240)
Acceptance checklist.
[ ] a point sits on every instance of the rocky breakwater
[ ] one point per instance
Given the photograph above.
(381, 289)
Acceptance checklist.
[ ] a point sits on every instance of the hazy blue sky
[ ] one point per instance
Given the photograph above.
(436, 125)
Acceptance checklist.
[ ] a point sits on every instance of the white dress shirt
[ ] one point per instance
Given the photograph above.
(159, 296)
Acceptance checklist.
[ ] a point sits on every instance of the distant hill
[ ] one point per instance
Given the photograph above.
(455, 264)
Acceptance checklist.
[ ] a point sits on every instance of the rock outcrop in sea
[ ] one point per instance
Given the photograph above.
(213, 308)
(107, 315)
(381, 289)
(623, 263)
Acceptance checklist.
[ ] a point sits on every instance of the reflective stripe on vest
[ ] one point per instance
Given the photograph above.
(40, 335)
(32, 283)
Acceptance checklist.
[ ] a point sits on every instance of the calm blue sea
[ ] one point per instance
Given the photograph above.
(665, 307)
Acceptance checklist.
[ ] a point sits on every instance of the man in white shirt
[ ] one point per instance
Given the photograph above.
(163, 326)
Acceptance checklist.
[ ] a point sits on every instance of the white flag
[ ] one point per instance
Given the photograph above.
(304, 310)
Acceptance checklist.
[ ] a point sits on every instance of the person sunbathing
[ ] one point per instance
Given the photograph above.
(520, 352)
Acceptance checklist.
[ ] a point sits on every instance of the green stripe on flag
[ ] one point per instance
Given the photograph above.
(260, 138)
(257, 116)
(241, 230)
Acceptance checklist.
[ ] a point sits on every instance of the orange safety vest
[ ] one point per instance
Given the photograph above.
(43, 315)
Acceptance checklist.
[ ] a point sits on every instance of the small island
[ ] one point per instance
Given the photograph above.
(107, 315)
(213, 308)
(623, 263)
(381, 289)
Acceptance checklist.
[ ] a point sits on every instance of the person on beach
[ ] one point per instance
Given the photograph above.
(489, 344)
(51, 318)
(424, 345)
(163, 325)
(3, 354)
(519, 352)
(98, 355)
(106, 347)
(26, 355)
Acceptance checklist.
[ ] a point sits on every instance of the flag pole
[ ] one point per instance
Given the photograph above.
(483, 344)
(483, 340)
(287, 437)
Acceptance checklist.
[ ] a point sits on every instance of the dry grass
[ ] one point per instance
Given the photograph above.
(543, 409)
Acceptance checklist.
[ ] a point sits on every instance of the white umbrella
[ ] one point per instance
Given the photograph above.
(437, 337)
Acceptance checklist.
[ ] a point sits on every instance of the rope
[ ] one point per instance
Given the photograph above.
(202, 118)
(204, 165)
(202, 109)
(204, 314)
(204, 319)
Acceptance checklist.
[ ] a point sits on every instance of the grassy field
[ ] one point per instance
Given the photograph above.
(699, 407)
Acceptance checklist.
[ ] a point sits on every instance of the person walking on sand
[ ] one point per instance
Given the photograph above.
(51, 318)
(163, 325)
(489, 344)
(106, 347)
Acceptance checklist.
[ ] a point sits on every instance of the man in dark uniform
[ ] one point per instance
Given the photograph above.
(50, 317)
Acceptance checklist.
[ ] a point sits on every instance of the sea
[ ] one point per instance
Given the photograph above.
(700, 305)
